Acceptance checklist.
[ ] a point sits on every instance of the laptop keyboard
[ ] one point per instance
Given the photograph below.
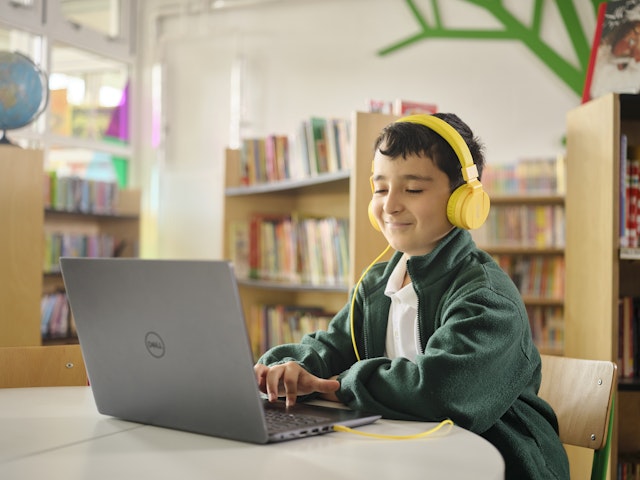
(280, 420)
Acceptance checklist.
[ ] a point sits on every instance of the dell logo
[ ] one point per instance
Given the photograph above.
(154, 344)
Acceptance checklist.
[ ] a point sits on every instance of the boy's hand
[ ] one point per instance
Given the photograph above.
(290, 380)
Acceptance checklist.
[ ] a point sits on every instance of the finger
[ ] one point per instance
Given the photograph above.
(327, 386)
(272, 382)
(260, 371)
(291, 386)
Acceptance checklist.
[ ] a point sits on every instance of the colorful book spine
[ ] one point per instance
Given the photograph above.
(629, 337)
(629, 195)
(56, 320)
(629, 466)
(547, 327)
(320, 145)
(528, 176)
(291, 248)
(535, 276)
(523, 225)
(75, 194)
(66, 244)
(278, 324)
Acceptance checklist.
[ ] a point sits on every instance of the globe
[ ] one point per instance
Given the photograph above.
(23, 92)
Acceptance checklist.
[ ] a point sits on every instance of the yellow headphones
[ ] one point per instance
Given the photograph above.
(469, 204)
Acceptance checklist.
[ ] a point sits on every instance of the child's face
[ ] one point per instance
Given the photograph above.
(410, 202)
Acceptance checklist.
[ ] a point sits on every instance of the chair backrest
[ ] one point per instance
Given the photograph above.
(46, 366)
(580, 392)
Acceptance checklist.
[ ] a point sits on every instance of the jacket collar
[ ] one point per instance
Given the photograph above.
(449, 252)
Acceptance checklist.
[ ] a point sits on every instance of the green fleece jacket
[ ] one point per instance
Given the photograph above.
(479, 366)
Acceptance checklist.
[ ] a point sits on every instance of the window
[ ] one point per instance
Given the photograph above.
(89, 46)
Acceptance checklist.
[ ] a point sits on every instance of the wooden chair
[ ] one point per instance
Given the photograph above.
(35, 366)
(581, 392)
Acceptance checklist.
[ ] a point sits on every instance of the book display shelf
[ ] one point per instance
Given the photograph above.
(114, 231)
(21, 217)
(333, 201)
(525, 235)
(258, 214)
(600, 272)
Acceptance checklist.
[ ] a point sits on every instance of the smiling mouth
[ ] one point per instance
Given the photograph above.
(395, 224)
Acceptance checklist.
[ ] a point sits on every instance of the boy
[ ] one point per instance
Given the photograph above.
(439, 331)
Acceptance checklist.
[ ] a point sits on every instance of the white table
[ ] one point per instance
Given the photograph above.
(57, 433)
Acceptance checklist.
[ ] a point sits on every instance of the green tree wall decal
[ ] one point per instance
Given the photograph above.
(514, 29)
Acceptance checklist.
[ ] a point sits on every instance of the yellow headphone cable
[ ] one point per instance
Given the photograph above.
(353, 300)
(342, 428)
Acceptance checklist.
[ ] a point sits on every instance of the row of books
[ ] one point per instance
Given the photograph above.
(629, 466)
(400, 107)
(320, 145)
(531, 176)
(272, 325)
(547, 327)
(77, 245)
(629, 195)
(629, 337)
(291, 249)
(75, 194)
(535, 276)
(523, 225)
(56, 320)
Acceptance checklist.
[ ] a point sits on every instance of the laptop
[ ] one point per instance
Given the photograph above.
(165, 343)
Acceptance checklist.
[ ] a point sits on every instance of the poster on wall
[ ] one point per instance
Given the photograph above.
(614, 65)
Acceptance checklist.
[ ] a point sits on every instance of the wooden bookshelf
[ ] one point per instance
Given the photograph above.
(533, 255)
(343, 194)
(123, 225)
(597, 275)
(21, 218)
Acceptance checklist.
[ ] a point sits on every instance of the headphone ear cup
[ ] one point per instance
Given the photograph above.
(468, 206)
(372, 217)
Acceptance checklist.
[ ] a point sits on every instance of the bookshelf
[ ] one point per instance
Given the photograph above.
(21, 218)
(342, 194)
(598, 272)
(525, 235)
(120, 228)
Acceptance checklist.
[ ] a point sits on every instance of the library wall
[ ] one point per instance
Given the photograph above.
(276, 63)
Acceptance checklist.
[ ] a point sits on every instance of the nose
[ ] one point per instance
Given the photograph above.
(392, 202)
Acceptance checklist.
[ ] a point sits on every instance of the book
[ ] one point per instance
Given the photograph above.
(277, 324)
(629, 195)
(55, 316)
(262, 245)
(547, 326)
(379, 106)
(301, 161)
(628, 311)
(614, 62)
(403, 108)
(282, 157)
(239, 247)
(332, 145)
(318, 144)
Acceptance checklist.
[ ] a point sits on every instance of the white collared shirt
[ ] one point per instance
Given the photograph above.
(402, 327)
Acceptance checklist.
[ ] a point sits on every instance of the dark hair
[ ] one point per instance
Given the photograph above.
(406, 138)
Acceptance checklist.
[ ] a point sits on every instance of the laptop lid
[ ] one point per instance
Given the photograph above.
(165, 343)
